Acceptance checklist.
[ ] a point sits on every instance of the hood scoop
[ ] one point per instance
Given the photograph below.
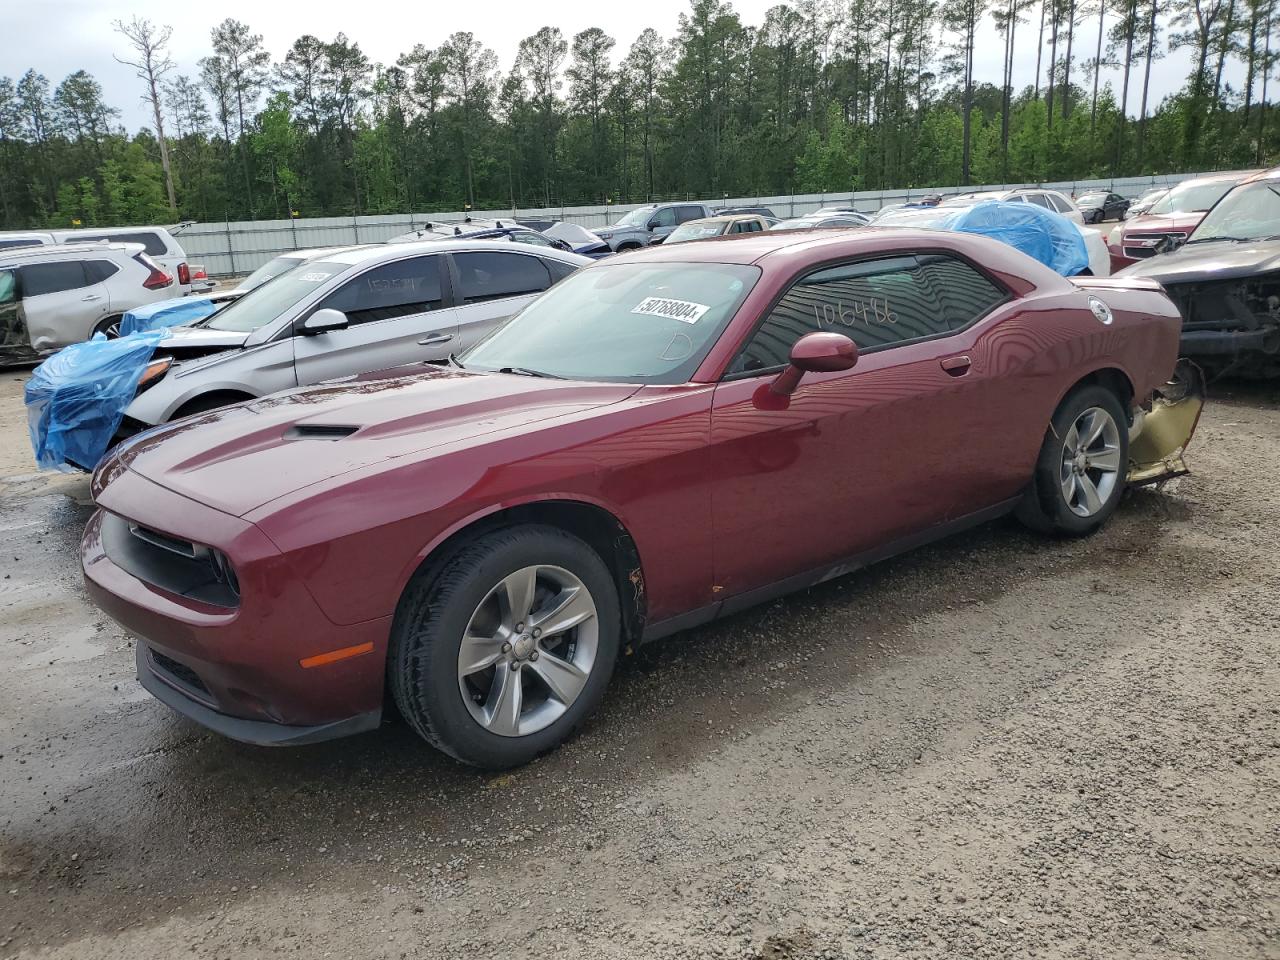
(319, 431)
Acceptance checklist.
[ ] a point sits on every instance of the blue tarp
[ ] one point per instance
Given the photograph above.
(177, 312)
(77, 398)
(1047, 236)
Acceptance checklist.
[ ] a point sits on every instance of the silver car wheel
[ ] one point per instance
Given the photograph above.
(1090, 462)
(528, 650)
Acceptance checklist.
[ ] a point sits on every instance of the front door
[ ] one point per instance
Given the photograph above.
(861, 458)
(61, 302)
(398, 314)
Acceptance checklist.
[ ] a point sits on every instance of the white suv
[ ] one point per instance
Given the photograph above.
(1049, 199)
(59, 294)
(158, 243)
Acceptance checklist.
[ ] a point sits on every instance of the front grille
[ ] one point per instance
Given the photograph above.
(180, 673)
(1139, 246)
(178, 566)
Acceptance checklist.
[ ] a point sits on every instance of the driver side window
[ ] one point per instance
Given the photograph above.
(878, 304)
(391, 290)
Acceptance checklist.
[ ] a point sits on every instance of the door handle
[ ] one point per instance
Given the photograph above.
(89, 299)
(956, 366)
(435, 339)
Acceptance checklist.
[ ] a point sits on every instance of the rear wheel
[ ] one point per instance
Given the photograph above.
(498, 655)
(1083, 464)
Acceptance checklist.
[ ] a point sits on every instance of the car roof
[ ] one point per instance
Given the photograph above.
(108, 231)
(1272, 174)
(69, 251)
(748, 248)
(354, 256)
(1240, 176)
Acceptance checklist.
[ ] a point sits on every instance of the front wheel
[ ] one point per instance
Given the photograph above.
(1083, 464)
(498, 655)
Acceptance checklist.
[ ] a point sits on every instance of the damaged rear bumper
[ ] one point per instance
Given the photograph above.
(1158, 439)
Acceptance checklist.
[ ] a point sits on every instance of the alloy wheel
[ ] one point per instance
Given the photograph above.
(1090, 462)
(528, 650)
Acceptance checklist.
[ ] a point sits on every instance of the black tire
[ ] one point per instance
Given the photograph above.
(422, 663)
(628, 246)
(1044, 507)
(108, 327)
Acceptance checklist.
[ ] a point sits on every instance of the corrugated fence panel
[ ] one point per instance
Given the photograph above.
(234, 249)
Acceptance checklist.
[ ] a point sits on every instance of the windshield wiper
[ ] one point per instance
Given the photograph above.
(526, 372)
(1215, 240)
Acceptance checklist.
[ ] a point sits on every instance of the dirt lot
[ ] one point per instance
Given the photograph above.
(994, 747)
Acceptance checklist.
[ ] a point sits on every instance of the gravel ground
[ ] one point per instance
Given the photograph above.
(998, 746)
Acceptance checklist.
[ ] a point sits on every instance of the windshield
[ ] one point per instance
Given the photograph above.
(268, 271)
(1190, 198)
(1093, 198)
(271, 300)
(636, 218)
(1251, 212)
(632, 322)
(696, 231)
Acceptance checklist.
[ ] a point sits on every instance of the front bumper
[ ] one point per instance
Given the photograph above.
(234, 668)
(171, 692)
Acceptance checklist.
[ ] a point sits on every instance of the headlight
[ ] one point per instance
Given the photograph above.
(1117, 235)
(154, 371)
(604, 234)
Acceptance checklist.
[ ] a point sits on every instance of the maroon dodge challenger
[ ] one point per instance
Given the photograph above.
(659, 440)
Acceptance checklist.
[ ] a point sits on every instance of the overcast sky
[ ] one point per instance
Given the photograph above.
(57, 37)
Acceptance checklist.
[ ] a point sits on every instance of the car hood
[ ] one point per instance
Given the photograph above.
(1216, 260)
(239, 458)
(1163, 223)
(204, 339)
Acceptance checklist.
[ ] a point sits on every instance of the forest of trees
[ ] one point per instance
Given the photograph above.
(823, 95)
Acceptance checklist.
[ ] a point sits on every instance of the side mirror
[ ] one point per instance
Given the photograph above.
(1168, 245)
(652, 225)
(323, 321)
(816, 353)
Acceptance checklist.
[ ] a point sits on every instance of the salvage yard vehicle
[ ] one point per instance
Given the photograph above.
(940, 216)
(158, 243)
(1099, 205)
(1170, 219)
(59, 294)
(659, 440)
(1048, 199)
(723, 225)
(352, 310)
(182, 311)
(482, 230)
(1145, 201)
(812, 221)
(1225, 280)
(643, 225)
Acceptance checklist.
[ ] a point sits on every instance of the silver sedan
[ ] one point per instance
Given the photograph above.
(349, 311)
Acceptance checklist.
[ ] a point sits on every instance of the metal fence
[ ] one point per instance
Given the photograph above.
(237, 248)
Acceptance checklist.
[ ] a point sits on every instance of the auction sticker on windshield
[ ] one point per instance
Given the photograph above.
(683, 310)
